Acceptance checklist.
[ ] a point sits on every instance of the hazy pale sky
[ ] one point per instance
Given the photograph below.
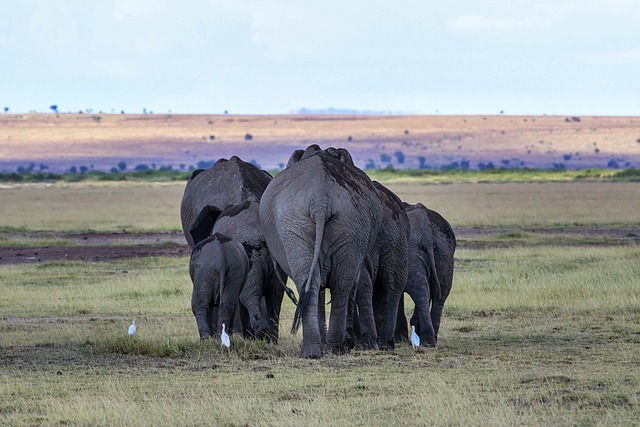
(277, 56)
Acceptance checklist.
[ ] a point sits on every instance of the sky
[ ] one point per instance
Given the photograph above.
(579, 57)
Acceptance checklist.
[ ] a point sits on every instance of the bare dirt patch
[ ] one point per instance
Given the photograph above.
(96, 247)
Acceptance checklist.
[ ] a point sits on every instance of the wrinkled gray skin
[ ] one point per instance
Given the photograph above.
(218, 268)
(242, 224)
(383, 276)
(320, 217)
(208, 192)
(431, 254)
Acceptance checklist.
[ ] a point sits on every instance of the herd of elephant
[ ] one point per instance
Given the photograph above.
(325, 224)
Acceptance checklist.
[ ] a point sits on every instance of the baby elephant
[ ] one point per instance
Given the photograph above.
(218, 269)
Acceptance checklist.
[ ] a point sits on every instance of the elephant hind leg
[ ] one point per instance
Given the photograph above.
(342, 283)
(402, 330)
(311, 341)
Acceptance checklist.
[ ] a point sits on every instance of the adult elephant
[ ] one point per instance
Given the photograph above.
(208, 192)
(218, 267)
(431, 254)
(383, 276)
(320, 217)
(262, 284)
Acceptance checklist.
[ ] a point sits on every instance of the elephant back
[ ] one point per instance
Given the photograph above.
(226, 183)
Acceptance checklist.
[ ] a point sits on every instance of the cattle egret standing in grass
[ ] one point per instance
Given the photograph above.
(132, 328)
(415, 339)
(224, 337)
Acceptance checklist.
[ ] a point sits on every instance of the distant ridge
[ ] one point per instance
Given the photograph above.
(350, 111)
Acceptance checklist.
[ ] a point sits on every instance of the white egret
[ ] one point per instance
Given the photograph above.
(224, 337)
(415, 339)
(132, 328)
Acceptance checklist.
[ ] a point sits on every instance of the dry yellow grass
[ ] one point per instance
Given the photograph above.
(144, 207)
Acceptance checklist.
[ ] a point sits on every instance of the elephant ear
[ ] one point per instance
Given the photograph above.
(196, 173)
(310, 151)
(345, 156)
(202, 226)
(295, 157)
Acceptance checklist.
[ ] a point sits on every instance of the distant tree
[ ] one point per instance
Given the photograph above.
(54, 108)
(84, 169)
(141, 167)
(212, 137)
(6, 110)
(464, 164)
(385, 158)
(450, 166)
(73, 169)
(248, 137)
(349, 138)
(43, 167)
(203, 164)
(122, 165)
(613, 164)
(399, 156)
(486, 166)
(505, 163)
(422, 162)
(115, 170)
(370, 164)
(255, 163)
(566, 157)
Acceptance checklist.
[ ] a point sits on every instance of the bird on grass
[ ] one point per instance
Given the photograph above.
(415, 339)
(132, 328)
(224, 337)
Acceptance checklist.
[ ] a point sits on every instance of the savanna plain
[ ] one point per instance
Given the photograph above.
(542, 326)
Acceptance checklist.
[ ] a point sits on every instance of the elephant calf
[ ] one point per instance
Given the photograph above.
(432, 245)
(218, 268)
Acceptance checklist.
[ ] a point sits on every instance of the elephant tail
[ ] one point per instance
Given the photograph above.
(283, 283)
(435, 290)
(307, 289)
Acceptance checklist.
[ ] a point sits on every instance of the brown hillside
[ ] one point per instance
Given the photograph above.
(102, 140)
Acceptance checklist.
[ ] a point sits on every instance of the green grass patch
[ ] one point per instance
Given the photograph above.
(383, 175)
(151, 175)
(532, 335)
(391, 175)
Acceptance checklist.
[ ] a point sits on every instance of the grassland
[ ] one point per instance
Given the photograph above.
(537, 331)
(139, 206)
